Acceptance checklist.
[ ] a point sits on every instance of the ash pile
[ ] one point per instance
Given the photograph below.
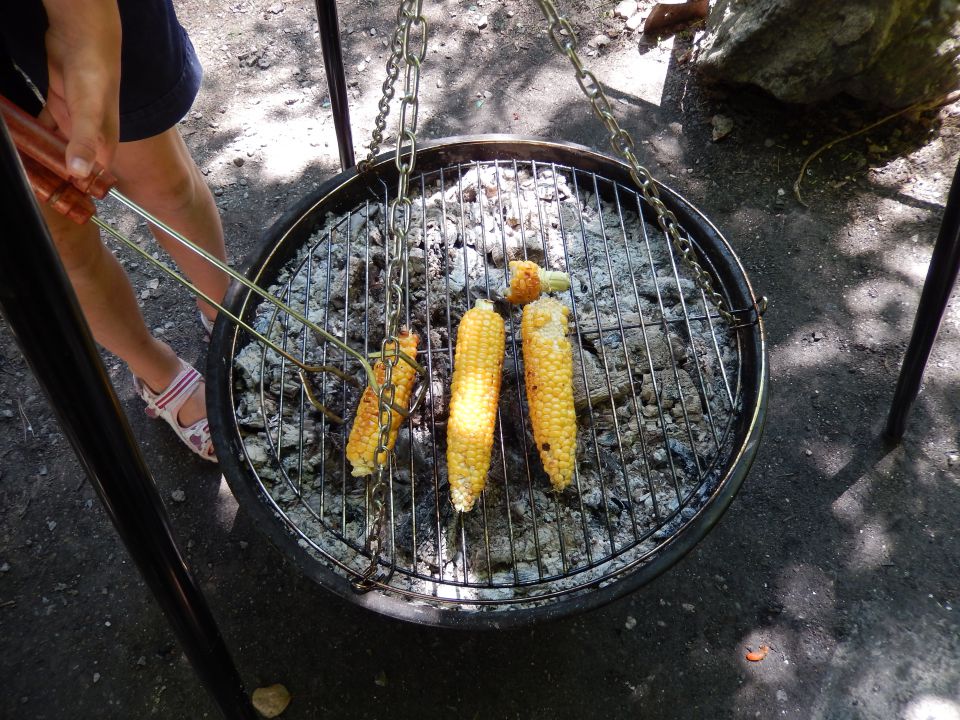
(655, 380)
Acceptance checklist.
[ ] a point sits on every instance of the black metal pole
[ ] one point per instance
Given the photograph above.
(941, 277)
(42, 312)
(329, 28)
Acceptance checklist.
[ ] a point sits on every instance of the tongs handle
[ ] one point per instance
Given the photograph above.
(49, 149)
(58, 193)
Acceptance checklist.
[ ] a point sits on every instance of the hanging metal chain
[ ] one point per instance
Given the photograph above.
(394, 63)
(410, 21)
(564, 37)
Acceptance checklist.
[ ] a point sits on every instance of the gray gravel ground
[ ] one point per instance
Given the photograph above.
(839, 554)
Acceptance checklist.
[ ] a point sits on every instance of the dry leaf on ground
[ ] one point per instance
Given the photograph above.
(271, 701)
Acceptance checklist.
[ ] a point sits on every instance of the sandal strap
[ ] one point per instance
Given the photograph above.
(207, 324)
(179, 391)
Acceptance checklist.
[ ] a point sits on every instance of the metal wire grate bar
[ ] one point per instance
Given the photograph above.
(657, 387)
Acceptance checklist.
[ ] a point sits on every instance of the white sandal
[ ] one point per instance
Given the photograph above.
(166, 405)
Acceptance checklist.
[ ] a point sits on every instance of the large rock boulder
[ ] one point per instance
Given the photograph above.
(892, 52)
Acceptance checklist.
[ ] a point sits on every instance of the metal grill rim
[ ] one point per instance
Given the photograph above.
(703, 490)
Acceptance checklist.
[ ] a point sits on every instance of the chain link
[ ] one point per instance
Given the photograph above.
(563, 36)
(387, 91)
(410, 21)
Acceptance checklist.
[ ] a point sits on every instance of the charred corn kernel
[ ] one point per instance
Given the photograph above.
(548, 372)
(474, 392)
(365, 433)
(528, 280)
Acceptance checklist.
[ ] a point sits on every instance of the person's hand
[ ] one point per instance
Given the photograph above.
(83, 99)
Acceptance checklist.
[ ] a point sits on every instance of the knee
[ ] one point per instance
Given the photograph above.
(178, 191)
(159, 174)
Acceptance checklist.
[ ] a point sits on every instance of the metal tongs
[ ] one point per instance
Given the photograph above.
(43, 153)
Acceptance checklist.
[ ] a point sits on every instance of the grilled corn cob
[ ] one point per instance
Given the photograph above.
(548, 371)
(528, 280)
(365, 433)
(474, 393)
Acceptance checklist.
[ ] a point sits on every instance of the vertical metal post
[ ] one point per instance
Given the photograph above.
(42, 312)
(941, 277)
(329, 28)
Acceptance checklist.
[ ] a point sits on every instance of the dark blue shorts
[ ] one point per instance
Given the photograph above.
(159, 76)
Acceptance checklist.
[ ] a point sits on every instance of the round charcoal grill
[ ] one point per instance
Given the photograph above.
(670, 397)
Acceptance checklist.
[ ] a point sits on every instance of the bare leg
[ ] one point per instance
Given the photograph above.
(111, 309)
(159, 174)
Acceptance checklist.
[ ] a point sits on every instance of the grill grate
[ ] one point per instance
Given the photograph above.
(658, 387)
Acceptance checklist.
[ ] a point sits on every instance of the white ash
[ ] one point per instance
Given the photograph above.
(635, 384)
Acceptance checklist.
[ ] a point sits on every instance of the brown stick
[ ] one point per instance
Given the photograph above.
(918, 106)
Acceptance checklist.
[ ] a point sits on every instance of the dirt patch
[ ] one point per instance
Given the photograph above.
(838, 555)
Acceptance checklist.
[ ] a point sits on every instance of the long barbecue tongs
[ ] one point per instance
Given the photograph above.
(43, 153)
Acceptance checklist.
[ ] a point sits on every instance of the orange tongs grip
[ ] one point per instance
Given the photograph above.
(58, 193)
(44, 157)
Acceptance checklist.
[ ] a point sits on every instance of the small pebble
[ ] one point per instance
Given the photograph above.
(178, 495)
(52, 525)
(96, 677)
(630, 623)
(625, 9)
(722, 126)
(482, 22)
(238, 161)
(5, 567)
(271, 701)
(808, 452)
(599, 41)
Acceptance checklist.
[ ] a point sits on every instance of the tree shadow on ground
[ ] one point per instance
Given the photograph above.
(842, 559)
